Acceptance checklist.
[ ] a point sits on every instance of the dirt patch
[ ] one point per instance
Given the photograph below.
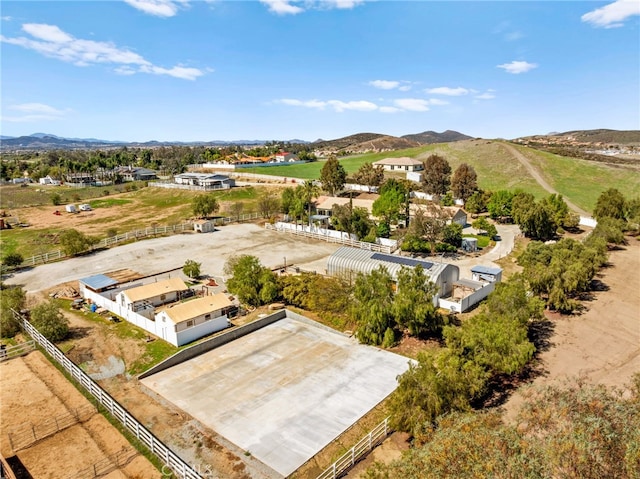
(33, 390)
(602, 345)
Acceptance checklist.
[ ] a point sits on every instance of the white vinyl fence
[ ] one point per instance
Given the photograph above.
(321, 234)
(157, 447)
(15, 351)
(353, 455)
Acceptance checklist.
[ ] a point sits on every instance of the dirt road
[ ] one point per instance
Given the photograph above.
(538, 177)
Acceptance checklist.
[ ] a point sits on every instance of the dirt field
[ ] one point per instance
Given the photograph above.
(602, 345)
(33, 391)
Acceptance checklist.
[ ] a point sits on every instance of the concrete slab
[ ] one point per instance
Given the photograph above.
(283, 392)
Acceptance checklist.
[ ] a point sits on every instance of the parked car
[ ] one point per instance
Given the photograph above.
(85, 207)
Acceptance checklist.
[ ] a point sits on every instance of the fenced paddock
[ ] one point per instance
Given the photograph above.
(172, 461)
(17, 350)
(27, 434)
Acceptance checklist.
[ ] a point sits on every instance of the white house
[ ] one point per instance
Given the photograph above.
(403, 163)
(205, 181)
(452, 214)
(47, 180)
(144, 299)
(188, 321)
(285, 157)
(203, 226)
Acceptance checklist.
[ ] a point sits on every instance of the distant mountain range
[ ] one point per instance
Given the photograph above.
(358, 143)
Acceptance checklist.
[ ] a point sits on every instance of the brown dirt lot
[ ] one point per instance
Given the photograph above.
(34, 391)
(602, 345)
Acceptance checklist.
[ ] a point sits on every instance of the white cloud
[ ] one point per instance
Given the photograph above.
(34, 112)
(412, 104)
(7, 18)
(437, 101)
(448, 91)
(282, 7)
(612, 15)
(516, 67)
(389, 109)
(361, 105)
(487, 95)
(291, 7)
(336, 105)
(159, 8)
(385, 84)
(52, 42)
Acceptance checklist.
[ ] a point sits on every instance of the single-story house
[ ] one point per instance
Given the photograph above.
(486, 273)
(205, 181)
(452, 213)
(190, 320)
(148, 296)
(47, 180)
(285, 157)
(203, 226)
(347, 260)
(324, 204)
(135, 173)
(403, 163)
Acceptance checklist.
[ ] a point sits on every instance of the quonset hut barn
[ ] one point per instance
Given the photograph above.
(347, 260)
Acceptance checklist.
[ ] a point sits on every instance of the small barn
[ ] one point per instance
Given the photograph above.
(203, 226)
(486, 273)
(347, 260)
(469, 244)
(196, 318)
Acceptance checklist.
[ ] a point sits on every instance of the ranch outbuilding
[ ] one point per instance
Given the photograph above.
(347, 260)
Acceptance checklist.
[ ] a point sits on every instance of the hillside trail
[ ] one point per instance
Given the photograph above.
(541, 181)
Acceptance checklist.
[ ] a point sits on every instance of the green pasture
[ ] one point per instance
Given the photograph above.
(583, 181)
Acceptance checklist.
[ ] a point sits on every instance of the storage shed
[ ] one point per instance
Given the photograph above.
(486, 273)
(97, 283)
(348, 260)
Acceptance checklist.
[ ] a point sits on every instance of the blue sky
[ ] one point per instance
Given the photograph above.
(184, 70)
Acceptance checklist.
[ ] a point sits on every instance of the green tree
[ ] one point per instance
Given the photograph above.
(56, 199)
(439, 383)
(251, 282)
(611, 203)
(464, 181)
(12, 297)
(413, 307)
(12, 260)
(191, 268)
(437, 175)
(429, 222)
(477, 202)
(74, 242)
(372, 305)
(452, 234)
(236, 209)
(369, 175)
(499, 205)
(352, 220)
(333, 176)
(482, 224)
(204, 205)
(49, 320)
(559, 210)
(611, 230)
(392, 202)
(268, 203)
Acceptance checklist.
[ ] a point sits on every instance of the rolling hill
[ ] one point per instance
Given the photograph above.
(430, 137)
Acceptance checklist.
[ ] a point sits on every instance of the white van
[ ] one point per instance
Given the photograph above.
(85, 207)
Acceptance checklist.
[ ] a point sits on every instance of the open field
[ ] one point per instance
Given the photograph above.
(34, 391)
(120, 213)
